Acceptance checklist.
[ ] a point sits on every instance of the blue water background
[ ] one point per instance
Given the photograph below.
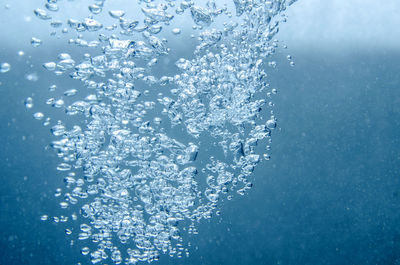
(329, 195)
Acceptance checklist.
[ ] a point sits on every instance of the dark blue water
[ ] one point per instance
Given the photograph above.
(329, 195)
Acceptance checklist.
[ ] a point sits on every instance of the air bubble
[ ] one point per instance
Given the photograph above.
(116, 13)
(42, 14)
(64, 167)
(176, 31)
(95, 9)
(28, 103)
(36, 42)
(70, 92)
(32, 77)
(5, 67)
(52, 6)
(38, 116)
(85, 251)
(271, 123)
(56, 23)
(92, 25)
(58, 103)
(51, 66)
(200, 16)
(44, 217)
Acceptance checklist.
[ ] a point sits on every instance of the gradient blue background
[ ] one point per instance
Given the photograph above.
(329, 195)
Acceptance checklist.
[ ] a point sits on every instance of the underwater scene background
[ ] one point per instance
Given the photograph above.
(329, 194)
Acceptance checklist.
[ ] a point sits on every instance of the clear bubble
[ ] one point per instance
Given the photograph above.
(116, 13)
(52, 88)
(64, 167)
(44, 217)
(51, 66)
(56, 23)
(70, 92)
(95, 9)
(176, 31)
(58, 103)
(85, 251)
(51, 6)
(5, 67)
(271, 123)
(38, 115)
(92, 25)
(200, 16)
(36, 42)
(28, 102)
(42, 14)
(32, 77)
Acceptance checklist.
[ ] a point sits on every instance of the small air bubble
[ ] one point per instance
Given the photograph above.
(272, 64)
(64, 205)
(85, 251)
(51, 66)
(38, 116)
(5, 67)
(271, 123)
(52, 7)
(57, 193)
(47, 122)
(42, 14)
(36, 42)
(64, 167)
(95, 9)
(58, 103)
(70, 93)
(28, 103)
(44, 217)
(116, 13)
(176, 31)
(32, 77)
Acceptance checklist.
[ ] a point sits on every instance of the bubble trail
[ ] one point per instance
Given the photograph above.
(135, 181)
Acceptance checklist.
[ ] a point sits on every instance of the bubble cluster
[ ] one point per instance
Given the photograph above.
(137, 163)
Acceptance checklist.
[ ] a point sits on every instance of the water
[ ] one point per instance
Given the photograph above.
(309, 204)
(140, 188)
